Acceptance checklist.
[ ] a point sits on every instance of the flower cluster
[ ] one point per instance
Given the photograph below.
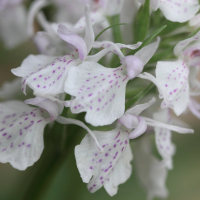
(74, 73)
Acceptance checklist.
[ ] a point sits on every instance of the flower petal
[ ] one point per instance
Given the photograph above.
(136, 110)
(148, 51)
(182, 44)
(99, 91)
(51, 107)
(89, 33)
(44, 74)
(107, 166)
(110, 47)
(134, 66)
(139, 130)
(172, 82)
(163, 138)
(178, 10)
(194, 107)
(151, 172)
(129, 121)
(154, 123)
(21, 134)
(73, 39)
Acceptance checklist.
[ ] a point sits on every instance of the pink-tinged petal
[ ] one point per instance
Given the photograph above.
(44, 74)
(129, 121)
(134, 66)
(98, 169)
(148, 51)
(51, 107)
(194, 107)
(178, 10)
(139, 130)
(136, 110)
(163, 138)
(89, 33)
(99, 91)
(182, 44)
(21, 134)
(172, 83)
(64, 120)
(151, 172)
(73, 39)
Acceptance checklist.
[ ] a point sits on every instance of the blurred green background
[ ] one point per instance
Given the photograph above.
(183, 181)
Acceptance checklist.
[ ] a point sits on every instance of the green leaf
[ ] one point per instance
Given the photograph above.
(142, 22)
(140, 95)
(148, 40)
(107, 29)
(116, 29)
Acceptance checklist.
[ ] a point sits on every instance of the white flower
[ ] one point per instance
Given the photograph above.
(21, 132)
(176, 10)
(100, 91)
(112, 167)
(173, 78)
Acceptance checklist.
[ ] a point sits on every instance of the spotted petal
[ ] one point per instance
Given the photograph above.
(178, 10)
(99, 91)
(151, 172)
(21, 134)
(163, 138)
(172, 82)
(44, 74)
(110, 168)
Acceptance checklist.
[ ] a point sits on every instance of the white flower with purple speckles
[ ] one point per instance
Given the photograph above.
(21, 133)
(112, 167)
(176, 10)
(100, 91)
(172, 83)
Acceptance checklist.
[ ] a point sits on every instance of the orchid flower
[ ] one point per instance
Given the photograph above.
(175, 10)
(151, 172)
(48, 42)
(21, 138)
(46, 74)
(173, 78)
(112, 167)
(100, 91)
(21, 130)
